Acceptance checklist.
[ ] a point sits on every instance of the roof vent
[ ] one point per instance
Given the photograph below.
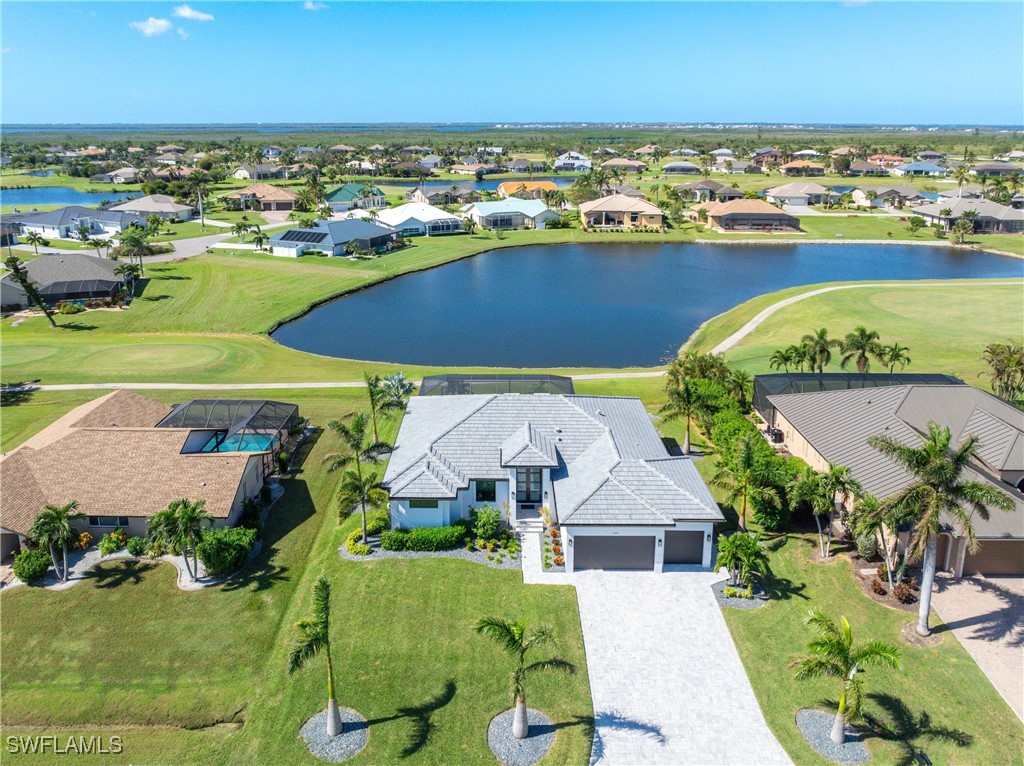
(601, 413)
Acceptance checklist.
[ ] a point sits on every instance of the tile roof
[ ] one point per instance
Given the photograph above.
(528, 207)
(744, 207)
(152, 203)
(619, 203)
(263, 191)
(985, 208)
(516, 187)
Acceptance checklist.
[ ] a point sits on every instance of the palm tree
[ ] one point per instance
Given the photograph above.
(806, 488)
(685, 400)
(359, 491)
(512, 637)
(1006, 368)
(861, 345)
(129, 272)
(961, 173)
(819, 347)
(314, 637)
(180, 525)
(18, 275)
(35, 239)
(468, 225)
(397, 389)
(872, 517)
(53, 527)
(745, 477)
(383, 402)
(895, 354)
(739, 384)
(837, 482)
(240, 229)
(782, 357)
(260, 239)
(744, 556)
(833, 654)
(198, 186)
(135, 244)
(356, 450)
(938, 490)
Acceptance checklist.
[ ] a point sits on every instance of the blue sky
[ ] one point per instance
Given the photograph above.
(321, 61)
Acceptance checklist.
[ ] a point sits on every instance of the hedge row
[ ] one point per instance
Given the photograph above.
(423, 538)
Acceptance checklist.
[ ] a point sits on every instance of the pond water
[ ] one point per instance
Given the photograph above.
(58, 195)
(593, 305)
(490, 184)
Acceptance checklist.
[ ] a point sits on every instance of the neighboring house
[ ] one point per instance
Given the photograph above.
(162, 205)
(1015, 156)
(833, 426)
(521, 165)
(681, 167)
(621, 163)
(471, 168)
(511, 213)
(65, 222)
(647, 151)
(1017, 201)
(572, 162)
(806, 154)
(356, 195)
(604, 151)
(432, 161)
(376, 148)
(684, 152)
(800, 193)
(411, 168)
(867, 169)
(414, 149)
(271, 152)
(125, 457)
(342, 149)
(706, 190)
(266, 196)
(620, 211)
(722, 153)
(258, 172)
(490, 150)
(843, 151)
(525, 189)
(64, 277)
(886, 196)
(169, 158)
(732, 167)
(8, 236)
(625, 189)
(119, 176)
(455, 194)
(171, 148)
(596, 464)
(802, 168)
(333, 237)
(965, 192)
(417, 219)
(992, 217)
(766, 157)
(931, 156)
(886, 160)
(748, 215)
(298, 169)
(919, 168)
(995, 169)
(362, 166)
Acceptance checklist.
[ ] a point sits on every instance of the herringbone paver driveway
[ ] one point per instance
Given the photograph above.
(667, 683)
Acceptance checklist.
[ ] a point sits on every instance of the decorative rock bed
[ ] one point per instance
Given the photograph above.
(816, 726)
(509, 561)
(520, 752)
(759, 599)
(348, 744)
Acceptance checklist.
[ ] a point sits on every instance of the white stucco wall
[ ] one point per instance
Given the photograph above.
(705, 527)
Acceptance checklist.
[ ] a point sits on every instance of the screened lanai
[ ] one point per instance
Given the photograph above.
(234, 425)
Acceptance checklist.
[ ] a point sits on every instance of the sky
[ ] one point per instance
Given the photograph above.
(847, 61)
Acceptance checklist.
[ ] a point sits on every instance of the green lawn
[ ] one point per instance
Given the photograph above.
(200, 677)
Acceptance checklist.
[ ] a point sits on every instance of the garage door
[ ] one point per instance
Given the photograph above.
(996, 557)
(613, 552)
(684, 547)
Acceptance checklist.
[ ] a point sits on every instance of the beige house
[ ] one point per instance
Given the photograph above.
(747, 215)
(620, 211)
(266, 196)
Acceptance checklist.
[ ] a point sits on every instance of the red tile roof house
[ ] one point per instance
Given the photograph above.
(125, 457)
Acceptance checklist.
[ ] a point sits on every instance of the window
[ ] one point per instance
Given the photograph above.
(108, 521)
(485, 491)
(423, 504)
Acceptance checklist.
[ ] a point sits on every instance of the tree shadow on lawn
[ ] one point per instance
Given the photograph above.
(1006, 622)
(900, 725)
(420, 718)
(116, 574)
(301, 454)
(13, 394)
(75, 326)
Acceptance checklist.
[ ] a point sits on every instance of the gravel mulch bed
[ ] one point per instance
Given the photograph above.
(816, 726)
(760, 597)
(480, 557)
(520, 752)
(354, 733)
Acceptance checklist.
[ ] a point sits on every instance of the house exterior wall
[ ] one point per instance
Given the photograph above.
(404, 516)
(797, 445)
(12, 294)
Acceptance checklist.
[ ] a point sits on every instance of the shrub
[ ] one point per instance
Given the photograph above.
(136, 546)
(903, 592)
(265, 494)
(878, 587)
(283, 461)
(772, 519)
(378, 523)
(30, 566)
(555, 534)
(559, 561)
(486, 522)
(556, 549)
(357, 548)
(112, 542)
(223, 550)
(83, 541)
(423, 539)
(867, 546)
(731, 592)
(70, 308)
(156, 548)
(880, 572)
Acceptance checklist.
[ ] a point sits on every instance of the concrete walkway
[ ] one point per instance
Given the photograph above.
(986, 614)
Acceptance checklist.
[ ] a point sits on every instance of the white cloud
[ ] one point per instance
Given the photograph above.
(190, 13)
(152, 27)
(309, 5)
(182, 33)
(5, 50)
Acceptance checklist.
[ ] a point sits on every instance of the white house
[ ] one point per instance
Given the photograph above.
(886, 196)
(65, 222)
(572, 162)
(162, 205)
(800, 193)
(595, 463)
(722, 153)
(415, 218)
(511, 213)
(431, 161)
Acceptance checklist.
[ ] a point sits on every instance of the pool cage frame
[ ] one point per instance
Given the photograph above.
(482, 383)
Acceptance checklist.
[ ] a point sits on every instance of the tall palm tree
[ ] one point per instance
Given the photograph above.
(961, 174)
(383, 401)
(805, 488)
(513, 638)
(53, 527)
(314, 637)
(357, 450)
(837, 482)
(860, 346)
(359, 491)
(819, 347)
(129, 272)
(834, 654)
(135, 244)
(180, 525)
(745, 477)
(198, 185)
(937, 491)
(685, 400)
(782, 357)
(35, 239)
(895, 354)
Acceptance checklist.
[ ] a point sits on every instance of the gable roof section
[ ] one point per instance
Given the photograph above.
(620, 203)
(124, 409)
(528, 207)
(528, 447)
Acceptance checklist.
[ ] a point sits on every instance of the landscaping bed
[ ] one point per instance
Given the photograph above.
(552, 554)
(508, 561)
(758, 596)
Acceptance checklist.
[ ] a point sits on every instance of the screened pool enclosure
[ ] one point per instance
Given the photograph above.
(231, 425)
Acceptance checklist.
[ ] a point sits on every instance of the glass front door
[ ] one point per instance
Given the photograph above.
(528, 485)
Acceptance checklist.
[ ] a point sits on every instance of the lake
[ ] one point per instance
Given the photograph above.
(58, 195)
(593, 305)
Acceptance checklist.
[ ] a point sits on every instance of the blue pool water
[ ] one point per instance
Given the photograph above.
(242, 443)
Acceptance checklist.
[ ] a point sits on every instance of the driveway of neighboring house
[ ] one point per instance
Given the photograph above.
(987, 615)
(667, 683)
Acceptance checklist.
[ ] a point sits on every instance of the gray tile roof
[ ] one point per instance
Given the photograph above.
(609, 465)
(68, 216)
(70, 267)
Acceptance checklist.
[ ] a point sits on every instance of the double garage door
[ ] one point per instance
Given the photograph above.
(996, 557)
(635, 552)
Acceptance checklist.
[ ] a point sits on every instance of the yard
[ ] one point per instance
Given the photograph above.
(200, 677)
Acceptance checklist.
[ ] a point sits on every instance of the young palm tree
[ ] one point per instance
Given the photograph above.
(468, 225)
(180, 525)
(806, 488)
(53, 527)
(834, 654)
(512, 637)
(895, 354)
(871, 517)
(782, 357)
(359, 491)
(260, 240)
(739, 384)
(357, 451)
(745, 477)
(819, 347)
(397, 389)
(35, 239)
(129, 272)
(744, 556)
(240, 229)
(837, 483)
(685, 400)
(135, 245)
(314, 637)
(860, 345)
(383, 401)
(938, 490)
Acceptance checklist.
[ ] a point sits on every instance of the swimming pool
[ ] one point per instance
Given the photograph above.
(240, 443)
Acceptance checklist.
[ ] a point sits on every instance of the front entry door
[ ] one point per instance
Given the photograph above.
(528, 486)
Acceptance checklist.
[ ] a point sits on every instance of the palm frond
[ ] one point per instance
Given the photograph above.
(551, 665)
(500, 631)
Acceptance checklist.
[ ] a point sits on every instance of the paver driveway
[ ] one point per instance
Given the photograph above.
(667, 683)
